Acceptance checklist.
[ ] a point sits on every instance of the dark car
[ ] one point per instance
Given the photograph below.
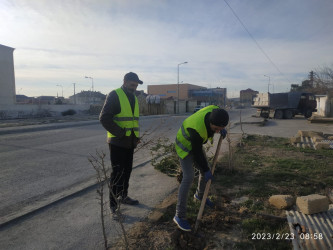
(197, 108)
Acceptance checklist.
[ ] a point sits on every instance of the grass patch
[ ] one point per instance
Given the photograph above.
(271, 166)
(262, 166)
(267, 166)
(257, 229)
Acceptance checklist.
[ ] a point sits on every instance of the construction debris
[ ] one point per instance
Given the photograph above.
(311, 231)
(281, 201)
(312, 204)
(312, 139)
(317, 119)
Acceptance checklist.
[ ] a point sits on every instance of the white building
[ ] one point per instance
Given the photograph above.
(7, 76)
(325, 105)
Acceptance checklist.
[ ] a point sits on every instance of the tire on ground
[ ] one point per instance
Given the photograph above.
(278, 114)
(287, 114)
(308, 113)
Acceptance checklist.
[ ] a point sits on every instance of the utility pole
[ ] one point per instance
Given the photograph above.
(178, 85)
(74, 93)
(269, 83)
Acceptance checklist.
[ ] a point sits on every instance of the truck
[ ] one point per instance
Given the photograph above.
(285, 105)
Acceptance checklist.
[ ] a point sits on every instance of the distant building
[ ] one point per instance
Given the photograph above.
(246, 96)
(45, 100)
(191, 92)
(216, 96)
(87, 97)
(171, 90)
(22, 99)
(7, 76)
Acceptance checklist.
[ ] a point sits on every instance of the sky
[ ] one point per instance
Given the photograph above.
(258, 44)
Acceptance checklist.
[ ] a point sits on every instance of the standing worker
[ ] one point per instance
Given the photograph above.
(194, 132)
(120, 117)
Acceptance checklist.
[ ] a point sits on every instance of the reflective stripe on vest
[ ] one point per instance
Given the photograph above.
(197, 122)
(126, 119)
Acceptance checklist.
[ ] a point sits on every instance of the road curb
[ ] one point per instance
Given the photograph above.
(50, 200)
(86, 185)
(60, 125)
(42, 127)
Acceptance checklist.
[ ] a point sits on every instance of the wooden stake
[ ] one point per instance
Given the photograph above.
(203, 201)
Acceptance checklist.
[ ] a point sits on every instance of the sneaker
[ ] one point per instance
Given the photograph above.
(182, 224)
(209, 203)
(129, 201)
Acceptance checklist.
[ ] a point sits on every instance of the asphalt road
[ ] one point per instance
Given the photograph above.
(41, 166)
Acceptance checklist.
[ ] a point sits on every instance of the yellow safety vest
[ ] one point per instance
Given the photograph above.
(126, 118)
(196, 122)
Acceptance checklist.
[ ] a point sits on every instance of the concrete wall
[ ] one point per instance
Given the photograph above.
(7, 76)
(171, 107)
(324, 106)
(166, 107)
(35, 110)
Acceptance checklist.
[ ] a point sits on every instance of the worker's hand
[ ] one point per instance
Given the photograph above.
(223, 132)
(208, 175)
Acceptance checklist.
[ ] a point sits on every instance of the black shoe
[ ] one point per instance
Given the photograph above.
(129, 201)
(115, 215)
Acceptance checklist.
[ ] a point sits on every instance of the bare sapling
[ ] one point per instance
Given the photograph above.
(103, 176)
(230, 154)
(100, 192)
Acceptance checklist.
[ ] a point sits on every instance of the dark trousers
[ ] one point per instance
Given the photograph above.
(122, 163)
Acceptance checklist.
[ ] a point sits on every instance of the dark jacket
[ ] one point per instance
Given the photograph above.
(110, 109)
(197, 142)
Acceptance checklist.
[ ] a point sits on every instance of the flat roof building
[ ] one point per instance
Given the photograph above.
(189, 92)
(171, 90)
(7, 76)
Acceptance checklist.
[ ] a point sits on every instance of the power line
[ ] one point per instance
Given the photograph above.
(255, 41)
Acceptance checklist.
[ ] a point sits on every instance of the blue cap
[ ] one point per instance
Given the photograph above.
(132, 77)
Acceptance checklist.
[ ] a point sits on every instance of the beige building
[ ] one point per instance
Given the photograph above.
(171, 90)
(246, 96)
(7, 76)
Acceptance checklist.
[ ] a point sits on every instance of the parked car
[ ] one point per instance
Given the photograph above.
(197, 108)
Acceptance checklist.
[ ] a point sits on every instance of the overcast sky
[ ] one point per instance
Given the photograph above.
(60, 42)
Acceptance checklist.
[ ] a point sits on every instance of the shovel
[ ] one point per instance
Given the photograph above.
(203, 201)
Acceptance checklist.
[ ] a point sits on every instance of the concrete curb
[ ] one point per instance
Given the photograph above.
(50, 200)
(73, 190)
(33, 128)
(66, 124)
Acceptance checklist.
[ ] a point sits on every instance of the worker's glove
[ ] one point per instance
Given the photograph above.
(223, 132)
(208, 175)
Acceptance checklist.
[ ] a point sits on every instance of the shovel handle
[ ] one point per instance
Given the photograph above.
(203, 201)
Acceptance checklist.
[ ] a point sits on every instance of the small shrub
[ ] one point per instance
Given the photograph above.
(68, 112)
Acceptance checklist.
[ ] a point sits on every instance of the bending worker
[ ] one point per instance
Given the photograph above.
(120, 117)
(194, 132)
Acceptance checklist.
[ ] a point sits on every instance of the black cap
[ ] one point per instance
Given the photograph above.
(132, 77)
(219, 117)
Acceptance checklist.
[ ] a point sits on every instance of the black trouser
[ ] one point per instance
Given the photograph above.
(122, 162)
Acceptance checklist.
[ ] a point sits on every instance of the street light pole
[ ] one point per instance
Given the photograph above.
(62, 90)
(178, 85)
(92, 87)
(92, 82)
(269, 82)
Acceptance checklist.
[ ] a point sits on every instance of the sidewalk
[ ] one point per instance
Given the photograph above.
(74, 222)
